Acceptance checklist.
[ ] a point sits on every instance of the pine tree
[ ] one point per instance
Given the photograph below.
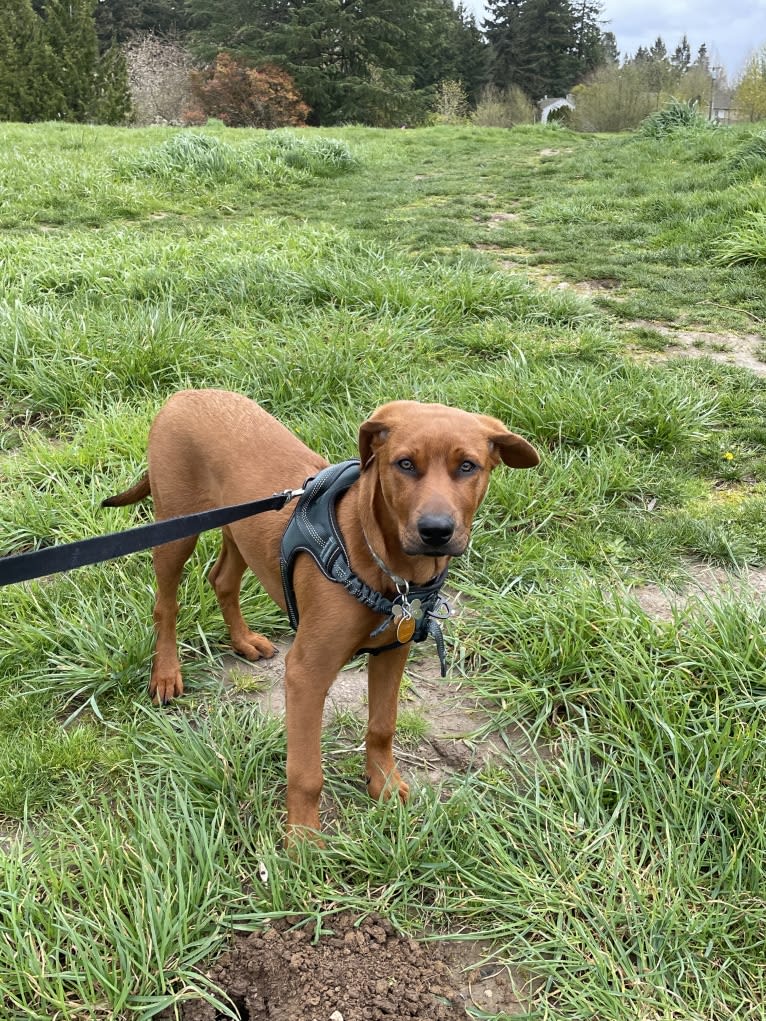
(117, 21)
(682, 56)
(610, 55)
(543, 46)
(71, 35)
(26, 92)
(504, 33)
(110, 100)
(589, 46)
(473, 56)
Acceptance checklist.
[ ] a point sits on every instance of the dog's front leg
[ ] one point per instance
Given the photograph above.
(384, 675)
(310, 669)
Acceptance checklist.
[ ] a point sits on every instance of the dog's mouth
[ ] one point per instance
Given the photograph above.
(454, 548)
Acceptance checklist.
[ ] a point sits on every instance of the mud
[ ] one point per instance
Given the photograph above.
(357, 970)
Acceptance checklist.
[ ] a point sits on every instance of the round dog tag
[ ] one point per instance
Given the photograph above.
(405, 629)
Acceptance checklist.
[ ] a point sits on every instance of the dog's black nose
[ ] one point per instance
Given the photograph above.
(436, 529)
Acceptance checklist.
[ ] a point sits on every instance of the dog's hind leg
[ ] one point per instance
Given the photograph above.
(226, 579)
(169, 560)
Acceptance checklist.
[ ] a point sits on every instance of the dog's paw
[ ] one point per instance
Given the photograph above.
(253, 646)
(165, 686)
(382, 787)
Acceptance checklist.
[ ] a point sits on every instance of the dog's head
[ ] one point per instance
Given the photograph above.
(431, 466)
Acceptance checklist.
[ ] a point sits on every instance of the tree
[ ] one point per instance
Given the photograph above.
(243, 96)
(110, 101)
(613, 98)
(117, 21)
(590, 41)
(682, 57)
(473, 55)
(71, 35)
(750, 91)
(351, 59)
(449, 48)
(503, 28)
(610, 55)
(544, 46)
(159, 76)
(26, 90)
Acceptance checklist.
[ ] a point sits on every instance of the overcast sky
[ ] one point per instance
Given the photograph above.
(731, 30)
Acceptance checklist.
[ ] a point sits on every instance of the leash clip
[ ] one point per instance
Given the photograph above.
(290, 494)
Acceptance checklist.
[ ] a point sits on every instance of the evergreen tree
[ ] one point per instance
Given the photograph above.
(450, 47)
(110, 101)
(26, 91)
(589, 46)
(610, 55)
(118, 20)
(71, 35)
(503, 28)
(368, 60)
(682, 57)
(544, 46)
(473, 56)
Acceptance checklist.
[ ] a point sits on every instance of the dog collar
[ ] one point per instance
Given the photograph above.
(313, 528)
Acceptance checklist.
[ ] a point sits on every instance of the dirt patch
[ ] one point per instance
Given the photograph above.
(357, 970)
(497, 218)
(739, 349)
(703, 581)
(450, 712)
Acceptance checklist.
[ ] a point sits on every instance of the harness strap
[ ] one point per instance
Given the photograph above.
(313, 529)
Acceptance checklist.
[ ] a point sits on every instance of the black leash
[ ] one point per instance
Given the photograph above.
(54, 559)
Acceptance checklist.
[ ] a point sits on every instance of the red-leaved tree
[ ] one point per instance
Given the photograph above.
(248, 97)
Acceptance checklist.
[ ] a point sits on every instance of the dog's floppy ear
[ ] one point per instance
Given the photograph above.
(372, 433)
(508, 447)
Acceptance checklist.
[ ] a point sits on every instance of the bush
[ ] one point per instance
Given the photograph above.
(451, 103)
(159, 71)
(746, 244)
(243, 96)
(503, 108)
(276, 156)
(675, 116)
(612, 99)
(749, 158)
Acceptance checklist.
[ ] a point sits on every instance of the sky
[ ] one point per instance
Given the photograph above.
(731, 30)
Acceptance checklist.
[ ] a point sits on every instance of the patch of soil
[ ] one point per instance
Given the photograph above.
(496, 218)
(704, 580)
(360, 970)
(730, 348)
(450, 711)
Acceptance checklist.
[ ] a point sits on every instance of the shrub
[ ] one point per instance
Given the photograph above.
(612, 99)
(746, 244)
(276, 156)
(749, 158)
(674, 116)
(158, 77)
(503, 108)
(451, 103)
(243, 96)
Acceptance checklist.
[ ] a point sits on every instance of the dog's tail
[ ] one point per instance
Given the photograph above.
(138, 492)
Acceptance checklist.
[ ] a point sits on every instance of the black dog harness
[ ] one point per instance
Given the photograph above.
(313, 529)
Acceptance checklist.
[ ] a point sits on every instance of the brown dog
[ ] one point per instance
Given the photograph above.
(425, 470)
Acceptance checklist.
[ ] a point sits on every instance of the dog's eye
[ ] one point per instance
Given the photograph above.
(406, 464)
(468, 468)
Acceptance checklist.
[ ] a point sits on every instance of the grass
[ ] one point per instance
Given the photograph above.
(324, 276)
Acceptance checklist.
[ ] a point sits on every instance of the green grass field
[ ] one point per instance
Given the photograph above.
(323, 276)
